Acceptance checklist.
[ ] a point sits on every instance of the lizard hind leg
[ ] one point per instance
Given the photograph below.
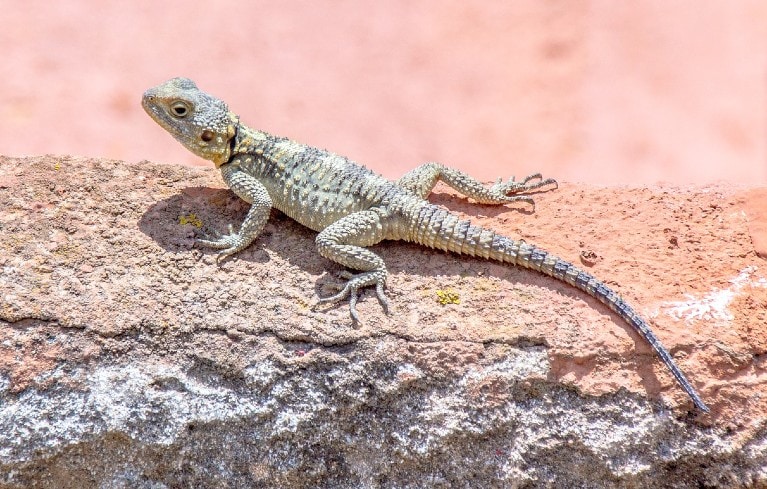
(421, 180)
(344, 242)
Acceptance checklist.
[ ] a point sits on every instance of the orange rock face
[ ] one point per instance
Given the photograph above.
(118, 337)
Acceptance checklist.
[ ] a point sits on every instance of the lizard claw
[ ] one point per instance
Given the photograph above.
(530, 182)
(347, 290)
(338, 286)
(505, 191)
(352, 290)
(228, 244)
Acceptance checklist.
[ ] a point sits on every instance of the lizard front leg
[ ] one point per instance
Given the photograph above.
(252, 191)
(344, 242)
(421, 180)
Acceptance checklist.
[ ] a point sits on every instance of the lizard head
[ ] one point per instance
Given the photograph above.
(197, 120)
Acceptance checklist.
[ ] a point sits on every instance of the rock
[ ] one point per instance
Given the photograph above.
(128, 358)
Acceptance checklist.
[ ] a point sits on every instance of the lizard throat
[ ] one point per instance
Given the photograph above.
(232, 145)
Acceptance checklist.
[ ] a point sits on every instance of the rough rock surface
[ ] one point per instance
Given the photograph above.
(128, 358)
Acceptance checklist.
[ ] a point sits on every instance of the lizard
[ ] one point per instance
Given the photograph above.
(352, 208)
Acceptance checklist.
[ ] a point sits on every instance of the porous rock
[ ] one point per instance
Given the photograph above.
(130, 358)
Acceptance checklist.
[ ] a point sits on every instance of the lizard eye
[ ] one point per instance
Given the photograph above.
(207, 135)
(180, 109)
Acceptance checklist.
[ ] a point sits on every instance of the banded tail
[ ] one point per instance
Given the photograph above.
(438, 228)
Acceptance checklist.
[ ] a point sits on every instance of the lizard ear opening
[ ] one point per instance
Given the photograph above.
(207, 135)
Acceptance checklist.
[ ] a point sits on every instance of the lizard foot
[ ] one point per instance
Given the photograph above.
(351, 289)
(530, 182)
(228, 244)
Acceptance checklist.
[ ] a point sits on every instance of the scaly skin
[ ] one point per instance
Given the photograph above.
(353, 208)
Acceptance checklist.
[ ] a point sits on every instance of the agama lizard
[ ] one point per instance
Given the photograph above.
(352, 207)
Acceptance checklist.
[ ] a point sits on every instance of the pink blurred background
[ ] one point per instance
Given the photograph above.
(592, 91)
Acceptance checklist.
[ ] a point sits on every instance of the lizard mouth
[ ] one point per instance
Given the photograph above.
(151, 108)
(148, 99)
(154, 105)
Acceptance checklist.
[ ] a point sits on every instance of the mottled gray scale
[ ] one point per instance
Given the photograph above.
(483, 242)
(561, 270)
(352, 207)
(461, 233)
(417, 229)
(426, 228)
(447, 228)
(432, 227)
(472, 241)
(537, 259)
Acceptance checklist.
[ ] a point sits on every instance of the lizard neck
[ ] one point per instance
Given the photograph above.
(244, 140)
(238, 140)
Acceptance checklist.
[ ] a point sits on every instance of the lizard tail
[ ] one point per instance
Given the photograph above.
(441, 229)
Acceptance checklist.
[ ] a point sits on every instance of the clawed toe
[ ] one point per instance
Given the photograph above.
(351, 289)
(228, 244)
(344, 291)
(527, 184)
(339, 286)
(536, 181)
(347, 291)
(535, 176)
(382, 297)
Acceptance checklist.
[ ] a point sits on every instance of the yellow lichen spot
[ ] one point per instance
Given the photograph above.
(448, 296)
(190, 219)
(302, 304)
(57, 166)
